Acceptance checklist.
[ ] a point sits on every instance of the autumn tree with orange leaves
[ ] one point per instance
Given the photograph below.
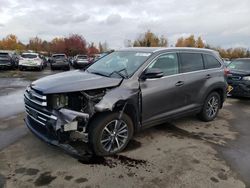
(11, 42)
(190, 42)
(149, 39)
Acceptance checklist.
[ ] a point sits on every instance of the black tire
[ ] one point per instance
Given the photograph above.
(96, 133)
(40, 68)
(20, 68)
(206, 113)
(52, 68)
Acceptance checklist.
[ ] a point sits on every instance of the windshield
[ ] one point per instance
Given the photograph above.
(29, 56)
(240, 65)
(119, 63)
(59, 56)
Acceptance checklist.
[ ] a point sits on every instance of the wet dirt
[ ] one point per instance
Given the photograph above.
(178, 132)
(11, 131)
(113, 161)
(44, 179)
(27, 171)
(237, 152)
(2, 181)
(81, 180)
(68, 178)
(132, 145)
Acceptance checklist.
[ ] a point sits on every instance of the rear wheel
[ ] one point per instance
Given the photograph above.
(40, 68)
(110, 135)
(211, 107)
(67, 68)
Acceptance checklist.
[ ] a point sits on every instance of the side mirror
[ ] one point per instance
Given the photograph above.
(152, 73)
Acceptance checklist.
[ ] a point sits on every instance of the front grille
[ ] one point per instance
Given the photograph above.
(38, 116)
(35, 97)
(34, 104)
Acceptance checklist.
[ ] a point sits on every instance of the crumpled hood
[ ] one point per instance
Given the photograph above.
(72, 81)
(240, 72)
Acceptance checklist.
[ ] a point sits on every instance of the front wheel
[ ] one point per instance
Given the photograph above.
(211, 107)
(109, 135)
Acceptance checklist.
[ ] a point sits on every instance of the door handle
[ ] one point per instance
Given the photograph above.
(180, 83)
(208, 76)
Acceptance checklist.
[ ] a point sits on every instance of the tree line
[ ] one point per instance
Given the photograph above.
(76, 44)
(71, 45)
(149, 39)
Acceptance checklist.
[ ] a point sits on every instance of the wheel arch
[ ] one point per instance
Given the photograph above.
(220, 90)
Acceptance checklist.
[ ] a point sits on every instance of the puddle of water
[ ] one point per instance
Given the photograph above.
(12, 83)
(11, 104)
(8, 137)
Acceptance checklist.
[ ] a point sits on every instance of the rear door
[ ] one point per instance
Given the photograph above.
(193, 73)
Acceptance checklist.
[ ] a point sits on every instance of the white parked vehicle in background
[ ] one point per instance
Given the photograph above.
(30, 61)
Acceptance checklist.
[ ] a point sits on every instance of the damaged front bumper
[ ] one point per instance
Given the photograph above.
(60, 130)
(240, 89)
(52, 141)
(57, 127)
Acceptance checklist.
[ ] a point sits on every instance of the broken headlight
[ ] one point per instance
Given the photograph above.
(60, 101)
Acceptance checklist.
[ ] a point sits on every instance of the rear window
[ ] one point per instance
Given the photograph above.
(191, 62)
(59, 56)
(82, 57)
(211, 62)
(4, 55)
(29, 56)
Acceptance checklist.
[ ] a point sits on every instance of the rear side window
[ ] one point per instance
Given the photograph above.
(191, 62)
(211, 62)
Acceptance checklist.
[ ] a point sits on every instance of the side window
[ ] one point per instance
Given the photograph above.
(167, 63)
(211, 62)
(191, 62)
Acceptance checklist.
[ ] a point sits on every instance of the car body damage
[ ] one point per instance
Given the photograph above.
(239, 77)
(118, 95)
(72, 122)
(72, 125)
(106, 100)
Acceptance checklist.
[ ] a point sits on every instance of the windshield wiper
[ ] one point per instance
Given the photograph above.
(98, 73)
(120, 74)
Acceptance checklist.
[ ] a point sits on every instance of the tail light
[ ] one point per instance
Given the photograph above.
(226, 71)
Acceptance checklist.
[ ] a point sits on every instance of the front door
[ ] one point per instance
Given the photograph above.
(161, 96)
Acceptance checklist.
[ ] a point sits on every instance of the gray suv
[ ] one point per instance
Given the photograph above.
(122, 93)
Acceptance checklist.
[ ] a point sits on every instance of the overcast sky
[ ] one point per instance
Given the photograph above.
(223, 23)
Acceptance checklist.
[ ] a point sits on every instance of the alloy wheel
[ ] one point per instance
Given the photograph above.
(114, 135)
(212, 106)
